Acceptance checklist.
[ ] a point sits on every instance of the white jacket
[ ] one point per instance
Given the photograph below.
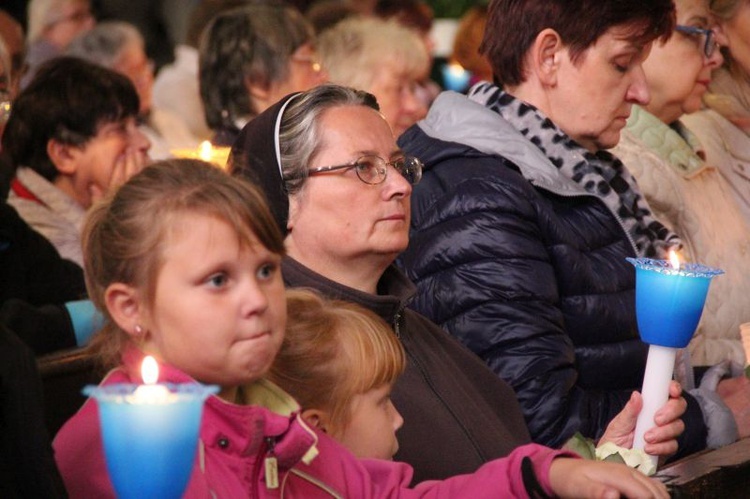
(695, 201)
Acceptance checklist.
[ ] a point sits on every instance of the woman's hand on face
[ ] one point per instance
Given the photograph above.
(661, 440)
(580, 478)
(126, 165)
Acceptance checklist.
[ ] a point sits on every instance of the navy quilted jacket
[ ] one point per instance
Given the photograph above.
(527, 270)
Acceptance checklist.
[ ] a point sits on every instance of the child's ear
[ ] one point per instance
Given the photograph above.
(124, 306)
(63, 156)
(316, 418)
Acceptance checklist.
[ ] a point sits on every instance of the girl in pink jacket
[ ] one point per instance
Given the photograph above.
(339, 361)
(199, 288)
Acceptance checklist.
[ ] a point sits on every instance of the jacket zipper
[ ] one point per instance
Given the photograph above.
(271, 466)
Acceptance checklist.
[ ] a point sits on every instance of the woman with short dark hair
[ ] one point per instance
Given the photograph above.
(522, 222)
(72, 136)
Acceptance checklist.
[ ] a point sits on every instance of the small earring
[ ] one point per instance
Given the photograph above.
(138, 330)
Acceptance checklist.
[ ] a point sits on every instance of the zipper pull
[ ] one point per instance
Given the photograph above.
(271, 466)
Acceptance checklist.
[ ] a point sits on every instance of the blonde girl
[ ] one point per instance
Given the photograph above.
(340, 361)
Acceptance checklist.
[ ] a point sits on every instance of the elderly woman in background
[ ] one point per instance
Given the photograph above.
(250, 57)
(383, 58)
(687, 194)
(522, 222)
(52, 25)
(119, 46)
(339, 189)
(724, 127)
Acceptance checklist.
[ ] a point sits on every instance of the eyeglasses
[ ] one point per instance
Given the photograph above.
(709, 47)
(373, 169)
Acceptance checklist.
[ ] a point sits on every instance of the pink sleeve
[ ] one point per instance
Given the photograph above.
(501, 478)
(79, 454)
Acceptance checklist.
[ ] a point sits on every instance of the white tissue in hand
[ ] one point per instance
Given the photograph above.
(635, 458)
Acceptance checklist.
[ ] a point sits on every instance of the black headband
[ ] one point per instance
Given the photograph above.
(255, 157)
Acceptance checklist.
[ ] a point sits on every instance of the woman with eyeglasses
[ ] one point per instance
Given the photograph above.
(724, 126)
(250, 57)
(685, 192)
(339, 188)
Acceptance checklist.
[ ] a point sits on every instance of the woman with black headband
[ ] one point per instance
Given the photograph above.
(340, 190)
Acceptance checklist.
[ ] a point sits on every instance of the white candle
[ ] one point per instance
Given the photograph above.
(655, 391)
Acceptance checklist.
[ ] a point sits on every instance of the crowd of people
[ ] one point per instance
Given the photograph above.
(400, 292)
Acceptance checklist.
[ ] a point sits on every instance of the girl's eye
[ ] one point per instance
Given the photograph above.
(218, 280)
(266, 271)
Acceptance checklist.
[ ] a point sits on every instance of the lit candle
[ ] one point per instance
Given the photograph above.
(669, 299)
(149, 392)
(455, 77)
(206, 152)
(150, 433)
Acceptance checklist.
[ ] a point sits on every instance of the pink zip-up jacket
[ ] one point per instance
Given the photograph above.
(235, 439)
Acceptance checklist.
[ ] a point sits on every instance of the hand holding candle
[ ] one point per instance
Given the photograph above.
(669, 303)
(150, 433)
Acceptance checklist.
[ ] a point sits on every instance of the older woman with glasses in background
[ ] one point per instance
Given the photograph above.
(685, 192)
(723, 128)
(250, 57)
(339, 188)
(382, 57)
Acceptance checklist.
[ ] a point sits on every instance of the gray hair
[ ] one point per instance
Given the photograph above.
(355, 49)
(300, 133)
(247, 44)
(105, 43)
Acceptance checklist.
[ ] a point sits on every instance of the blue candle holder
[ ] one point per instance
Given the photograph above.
(669, 302)
(150, 445)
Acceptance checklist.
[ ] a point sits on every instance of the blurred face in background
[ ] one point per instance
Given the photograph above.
(73, 19)
(396, 89)
(736, 35)
(678, 72)
(135, 64)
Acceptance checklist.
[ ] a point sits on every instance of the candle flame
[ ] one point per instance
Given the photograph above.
(149, 370)
(206, 151)
(674, 259)
(456, 68)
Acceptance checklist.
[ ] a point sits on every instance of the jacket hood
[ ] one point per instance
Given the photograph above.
(467, 124)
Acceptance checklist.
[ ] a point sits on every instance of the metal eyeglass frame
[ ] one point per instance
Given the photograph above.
(408, 167)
